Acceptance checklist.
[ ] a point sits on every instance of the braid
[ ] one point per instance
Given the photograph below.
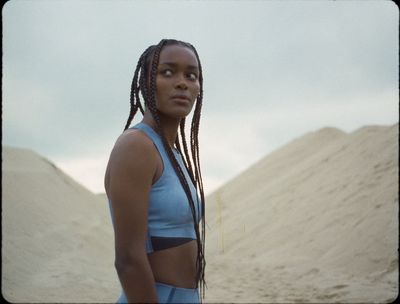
(194, 136)
(187, 158)
(135, 88)
(139, 83)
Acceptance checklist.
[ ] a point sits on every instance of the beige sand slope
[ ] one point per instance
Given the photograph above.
(315, 221)
(57, 241)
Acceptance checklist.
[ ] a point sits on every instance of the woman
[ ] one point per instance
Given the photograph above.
(154, 187)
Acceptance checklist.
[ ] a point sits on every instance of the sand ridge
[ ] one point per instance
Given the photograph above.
(57, 236)
(318, 217)
(314, 221)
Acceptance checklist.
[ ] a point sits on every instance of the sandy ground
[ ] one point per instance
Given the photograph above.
(57, 239)
(316, 221)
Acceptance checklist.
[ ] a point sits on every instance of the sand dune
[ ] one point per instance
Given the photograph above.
(314, 221)
(57, 236)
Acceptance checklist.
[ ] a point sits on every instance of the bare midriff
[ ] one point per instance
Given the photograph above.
(176, 265)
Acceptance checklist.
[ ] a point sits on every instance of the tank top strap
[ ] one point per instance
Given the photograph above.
(156, 139)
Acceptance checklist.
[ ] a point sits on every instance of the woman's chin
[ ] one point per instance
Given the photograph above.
(177, 114)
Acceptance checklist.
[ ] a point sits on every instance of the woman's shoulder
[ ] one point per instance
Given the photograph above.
(133, 143)
(132, 158)
(133, 138)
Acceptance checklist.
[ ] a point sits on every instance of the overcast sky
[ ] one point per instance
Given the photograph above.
(273, 71)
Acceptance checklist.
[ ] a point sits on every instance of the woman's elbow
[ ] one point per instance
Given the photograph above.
(124, 263)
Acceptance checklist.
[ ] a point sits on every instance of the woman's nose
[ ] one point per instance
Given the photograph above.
(181, 82)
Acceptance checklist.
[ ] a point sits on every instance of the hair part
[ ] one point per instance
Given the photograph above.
(146, 69)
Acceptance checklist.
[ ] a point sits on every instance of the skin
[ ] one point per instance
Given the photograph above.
(128, 183)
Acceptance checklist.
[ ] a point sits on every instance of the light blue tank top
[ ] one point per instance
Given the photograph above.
(169, 212)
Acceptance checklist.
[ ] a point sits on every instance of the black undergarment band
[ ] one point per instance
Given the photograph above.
(160, 243)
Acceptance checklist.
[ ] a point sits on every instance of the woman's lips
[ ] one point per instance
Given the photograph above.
(181, 99)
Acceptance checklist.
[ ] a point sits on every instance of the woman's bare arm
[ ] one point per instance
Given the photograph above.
(130, 172)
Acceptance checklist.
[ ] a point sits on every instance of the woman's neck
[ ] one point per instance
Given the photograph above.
(169, 126)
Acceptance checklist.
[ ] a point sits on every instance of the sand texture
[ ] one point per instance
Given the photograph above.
(314, 221)
(57, 239)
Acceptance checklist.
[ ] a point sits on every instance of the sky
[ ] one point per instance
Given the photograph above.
(273, 71)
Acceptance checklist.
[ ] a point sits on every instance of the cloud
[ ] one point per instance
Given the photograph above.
(273, 70)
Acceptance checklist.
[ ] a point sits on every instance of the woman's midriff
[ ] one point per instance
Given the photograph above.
(176, 265)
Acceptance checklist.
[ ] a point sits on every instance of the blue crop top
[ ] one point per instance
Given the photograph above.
(170, 220)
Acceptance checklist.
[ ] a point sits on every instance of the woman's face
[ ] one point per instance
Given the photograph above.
(177, 81)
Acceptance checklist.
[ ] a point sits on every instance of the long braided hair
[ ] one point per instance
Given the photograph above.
(147, 66)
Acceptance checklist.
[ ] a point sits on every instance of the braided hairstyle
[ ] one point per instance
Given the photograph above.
(147, 66)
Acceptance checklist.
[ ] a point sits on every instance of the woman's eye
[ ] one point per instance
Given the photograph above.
(192, 76)
(166, 72)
